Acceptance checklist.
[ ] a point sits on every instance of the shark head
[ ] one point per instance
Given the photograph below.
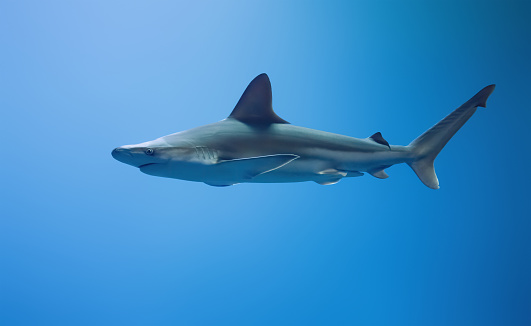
(137, 156)
(143, 154)
(155, 156)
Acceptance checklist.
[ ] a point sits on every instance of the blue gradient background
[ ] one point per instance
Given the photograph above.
(86, 240)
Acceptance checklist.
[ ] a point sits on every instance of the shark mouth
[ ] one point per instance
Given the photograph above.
(144, 165)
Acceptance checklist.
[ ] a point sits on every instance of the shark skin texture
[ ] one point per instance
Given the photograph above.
(255, 145)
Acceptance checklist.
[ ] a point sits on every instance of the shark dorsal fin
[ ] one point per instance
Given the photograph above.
(377, 137)
(256, 104)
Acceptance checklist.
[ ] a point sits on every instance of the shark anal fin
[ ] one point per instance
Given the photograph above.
(377, 137)
(249, 167)
(380, 174)
(256, 104)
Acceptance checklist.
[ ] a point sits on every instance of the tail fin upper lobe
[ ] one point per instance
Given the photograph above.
(428, 145)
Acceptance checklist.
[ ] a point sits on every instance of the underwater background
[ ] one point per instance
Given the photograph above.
(87, 240)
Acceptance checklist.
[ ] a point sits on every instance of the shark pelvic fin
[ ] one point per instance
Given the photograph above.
(330, 176)
(248, 168)
(333, 172)
(377, 137)
(328, 182)
(256, 104)
(219, 184)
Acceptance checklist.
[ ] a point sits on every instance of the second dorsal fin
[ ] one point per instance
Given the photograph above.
(256, 104)
(377, 137)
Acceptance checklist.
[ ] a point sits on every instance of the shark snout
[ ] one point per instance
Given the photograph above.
(123, 155)
(134, 156)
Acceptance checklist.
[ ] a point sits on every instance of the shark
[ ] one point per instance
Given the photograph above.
(254, 145)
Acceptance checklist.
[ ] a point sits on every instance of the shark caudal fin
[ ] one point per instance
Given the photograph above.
(428, 145)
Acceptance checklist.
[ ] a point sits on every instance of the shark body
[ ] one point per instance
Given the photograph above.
(254, 145)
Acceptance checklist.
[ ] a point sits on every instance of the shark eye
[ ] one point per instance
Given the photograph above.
(149, 151)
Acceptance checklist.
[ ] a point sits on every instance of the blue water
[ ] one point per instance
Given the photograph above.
(86, 240)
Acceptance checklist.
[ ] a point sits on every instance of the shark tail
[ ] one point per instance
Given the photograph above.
(427, 146)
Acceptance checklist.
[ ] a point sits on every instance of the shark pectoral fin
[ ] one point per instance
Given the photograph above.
(250, 167)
